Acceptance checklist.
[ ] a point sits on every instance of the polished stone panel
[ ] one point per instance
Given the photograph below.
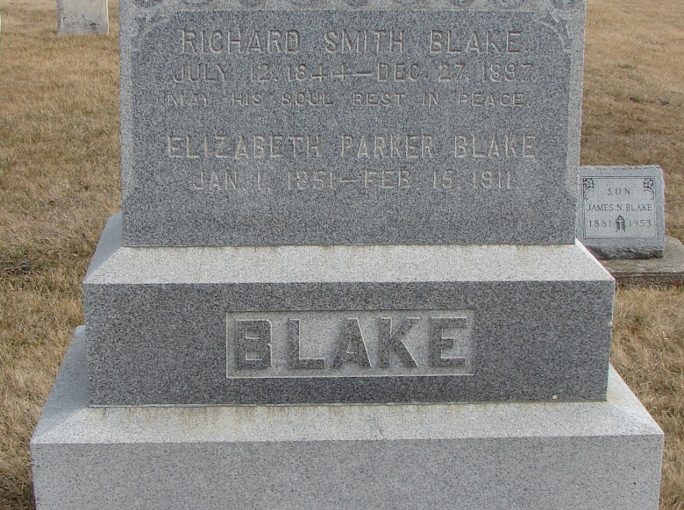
(327, 123)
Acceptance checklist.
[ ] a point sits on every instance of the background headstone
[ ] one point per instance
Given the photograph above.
(621, 211)
(82, 17)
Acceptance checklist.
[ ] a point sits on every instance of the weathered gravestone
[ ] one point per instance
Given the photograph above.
(82, 17)
(621, 211)
(344, 203)
(381, 125)
(305, 128)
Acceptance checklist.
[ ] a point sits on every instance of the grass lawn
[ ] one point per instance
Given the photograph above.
(59, 182)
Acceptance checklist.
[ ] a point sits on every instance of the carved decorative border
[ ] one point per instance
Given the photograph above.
(649, 186)
(587, 186)
(562, 5)
(560, 27)
(557, 24)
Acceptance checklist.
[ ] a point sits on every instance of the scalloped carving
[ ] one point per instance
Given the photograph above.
(506, 4)
(145, 24)
(308, 3)
(411, 2)
(147, 3)
(559, 26)
(511, 4)
(564, 4)
(462, 3)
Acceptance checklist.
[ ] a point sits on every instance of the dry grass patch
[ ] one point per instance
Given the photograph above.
(59, 181)
(59, 174)
(648, 351)
(634, 91)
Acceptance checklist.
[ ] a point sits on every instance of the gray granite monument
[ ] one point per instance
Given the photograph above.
(363, 212)
(82, 17)
(621, 211)
(375, 125)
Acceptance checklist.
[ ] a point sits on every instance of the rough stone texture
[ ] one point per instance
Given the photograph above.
(532, 322)
(497, 456)
(286, 139)
(621, 211)
(665, 271)
(82, 17)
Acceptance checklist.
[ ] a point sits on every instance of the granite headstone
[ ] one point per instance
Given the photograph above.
(495, 456)
(335, 127)
(335, 202)
(621, 211)
(82, 17)
(350, 122)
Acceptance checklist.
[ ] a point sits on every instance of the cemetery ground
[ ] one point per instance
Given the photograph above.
(59, 182)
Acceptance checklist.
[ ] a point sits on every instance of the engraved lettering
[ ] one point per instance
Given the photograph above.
(385, 146)
(225, 180)
(496, 146)
(189, 100)
(246, 99)
(252, 344)
(449, 41)
(364, 41)
(244, 147)
(378, 98)
(294, 360)
(515, 99)
(240, 41)
(350, 346)
(301, 108)
(440, 342)
(391, 342)
(368, 343)
(398, 72)
(200, 72)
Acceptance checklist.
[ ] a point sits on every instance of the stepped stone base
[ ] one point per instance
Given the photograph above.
(490, 323)
(665, 271)
(557, 455)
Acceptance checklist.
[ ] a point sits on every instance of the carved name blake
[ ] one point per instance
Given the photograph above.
(315, 344)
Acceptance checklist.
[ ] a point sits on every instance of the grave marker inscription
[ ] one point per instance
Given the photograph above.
(317, 126)
(620, 211)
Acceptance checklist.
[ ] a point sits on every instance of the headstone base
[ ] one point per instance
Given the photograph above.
(162, 323)
(640, 253)
(497, 456)
(665, 271)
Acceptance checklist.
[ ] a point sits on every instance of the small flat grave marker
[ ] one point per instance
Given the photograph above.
(82, 17)
(620, 211)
